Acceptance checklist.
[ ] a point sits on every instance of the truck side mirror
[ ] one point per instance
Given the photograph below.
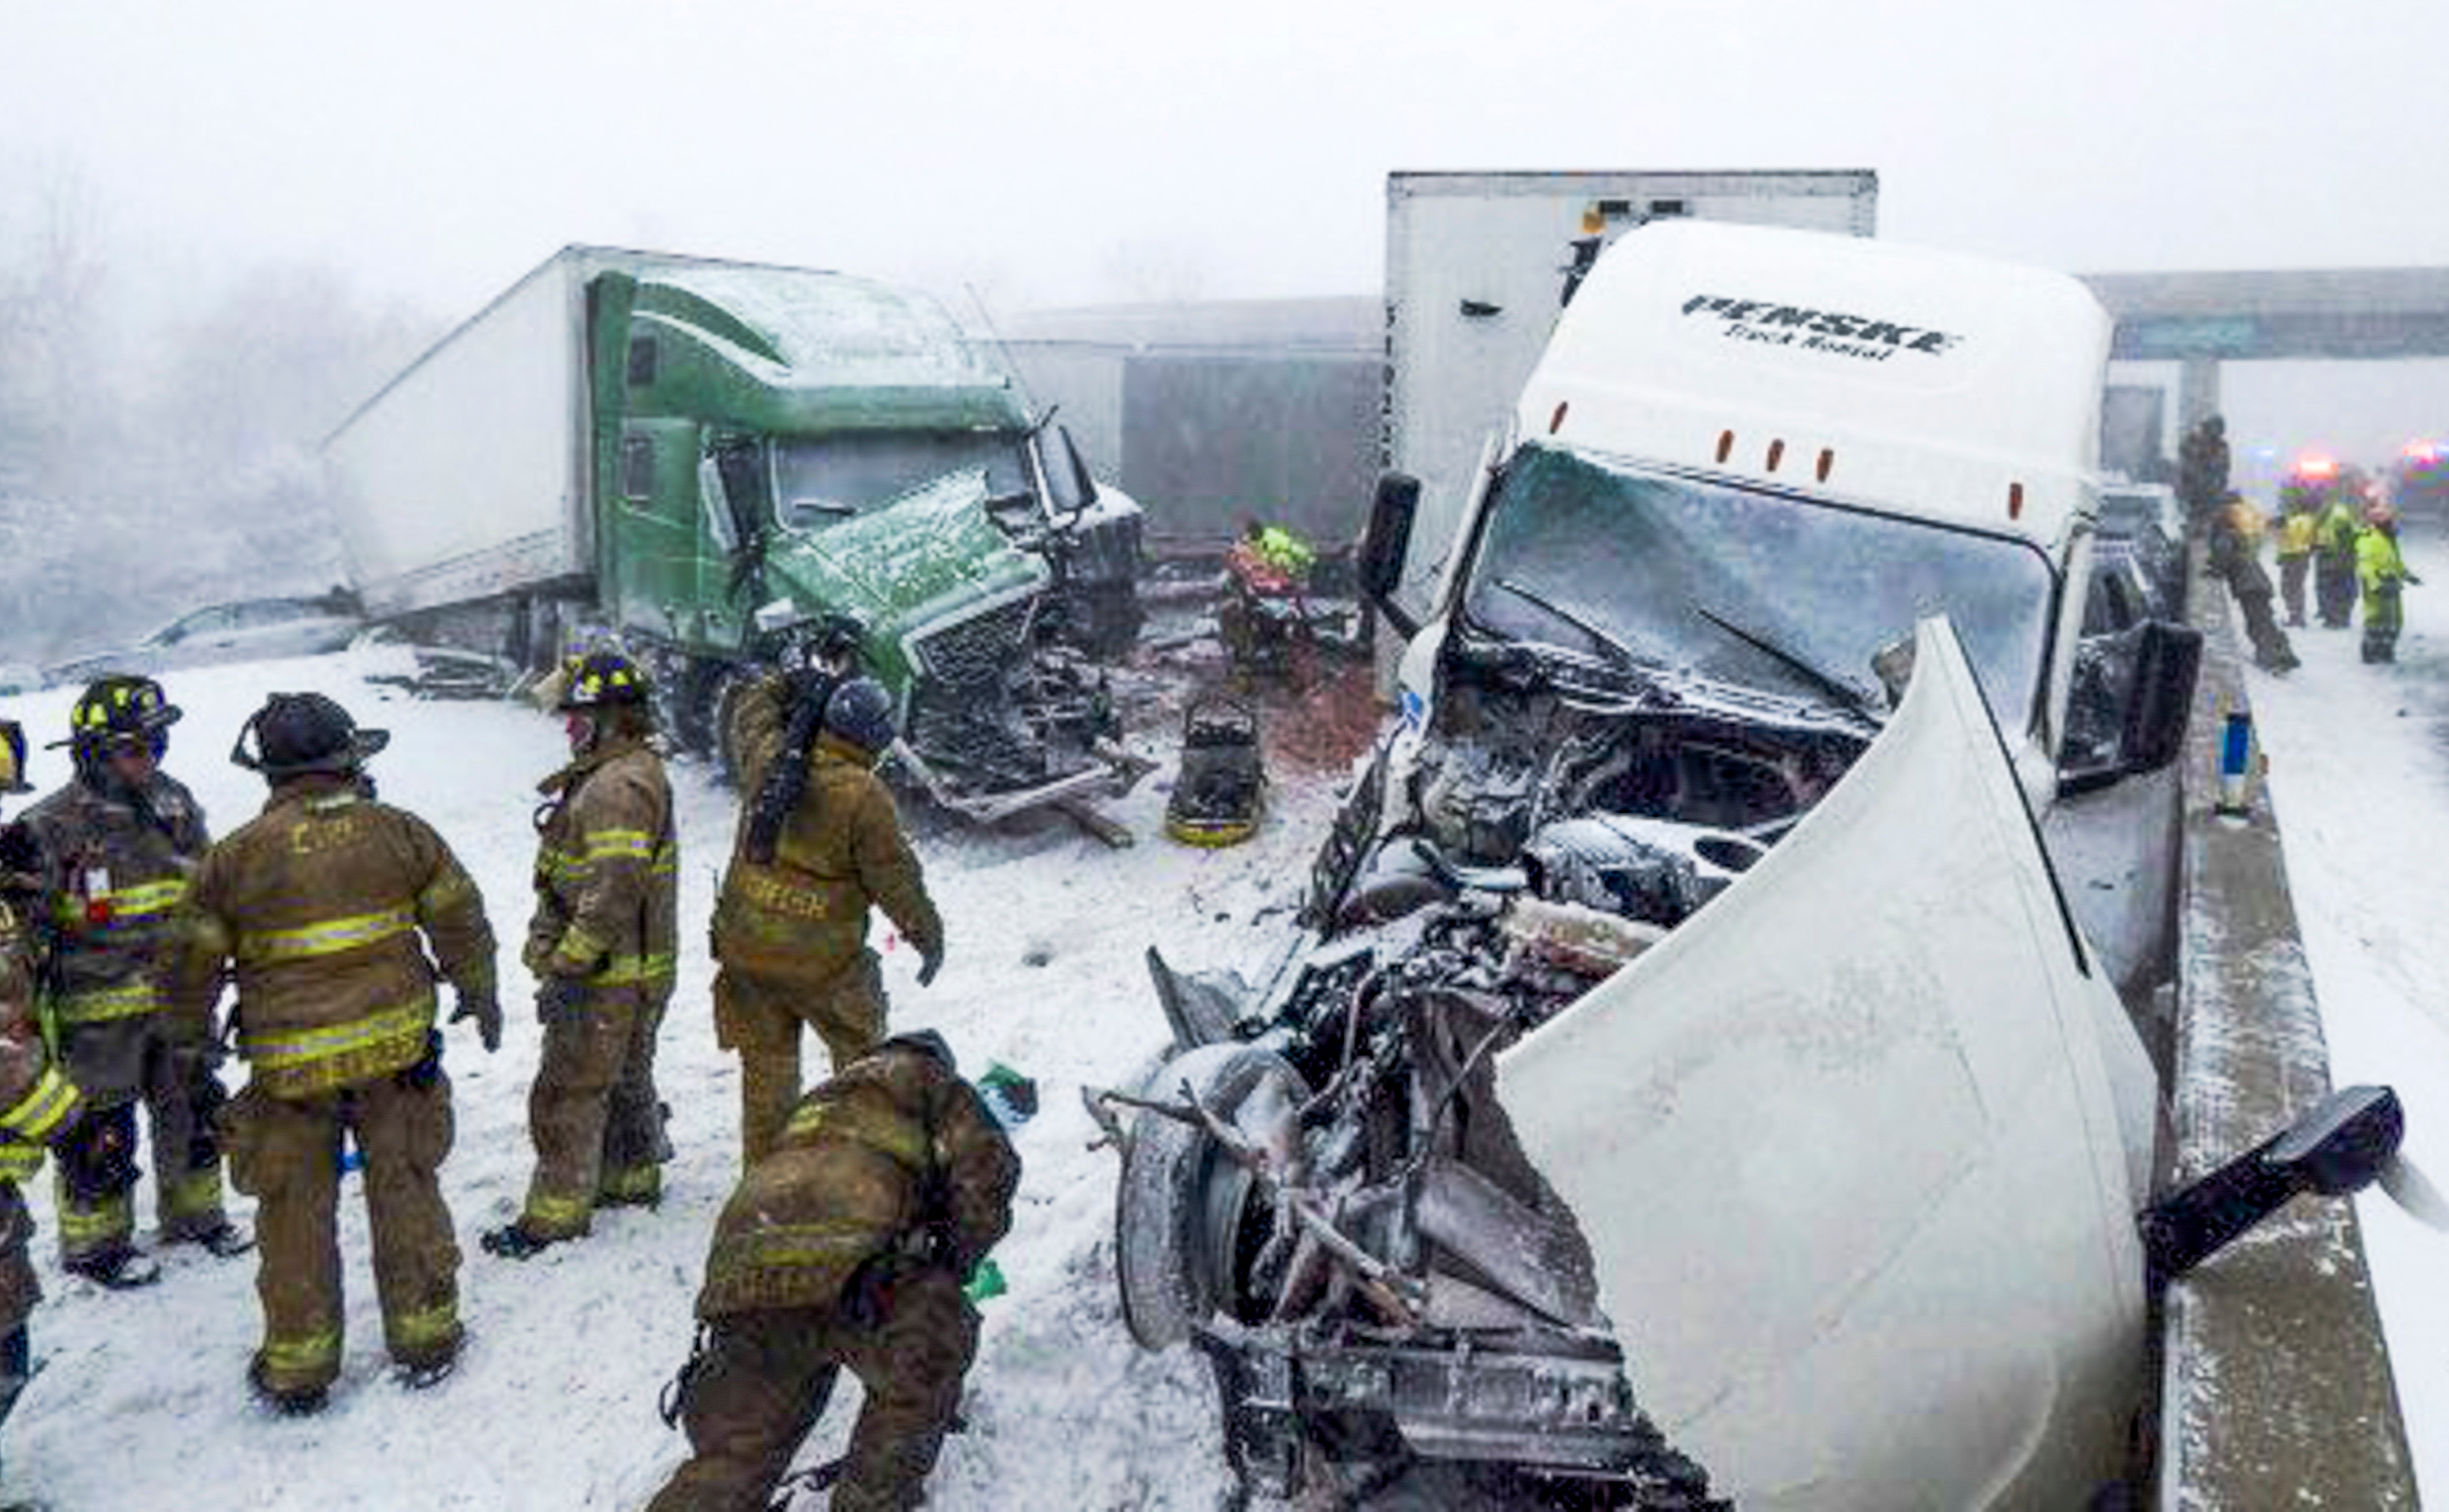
(1383, 548)
(2166, 665)
(2337, 1149)
(1069, 488)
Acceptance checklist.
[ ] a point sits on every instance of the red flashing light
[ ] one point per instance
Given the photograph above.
(2313, 465)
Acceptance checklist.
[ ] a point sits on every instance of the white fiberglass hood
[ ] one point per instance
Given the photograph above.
(1857, 1149)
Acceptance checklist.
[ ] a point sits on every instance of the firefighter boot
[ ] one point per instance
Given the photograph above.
(295, 1402)
(117, 1267)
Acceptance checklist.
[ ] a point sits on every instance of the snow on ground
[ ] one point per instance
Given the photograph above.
(2357, 779)
(140, 1400)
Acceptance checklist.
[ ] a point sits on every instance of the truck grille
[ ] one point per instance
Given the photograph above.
(977, 651)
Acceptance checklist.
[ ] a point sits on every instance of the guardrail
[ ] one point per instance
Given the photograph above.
(2275, 1387)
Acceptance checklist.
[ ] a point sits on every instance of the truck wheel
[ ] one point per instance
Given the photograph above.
(1185, 1226)
(724, 685)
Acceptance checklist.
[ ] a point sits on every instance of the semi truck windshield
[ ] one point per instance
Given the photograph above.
(1662, 565)
(824, 479)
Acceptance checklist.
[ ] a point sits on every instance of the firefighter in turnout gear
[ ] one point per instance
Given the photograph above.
(790, 926)
(602, 946)
(320, 902)
(115, 850)
(39, 1104)
(846, 1248)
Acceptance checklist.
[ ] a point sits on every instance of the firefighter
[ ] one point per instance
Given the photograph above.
(2295, 557)
(39, 1104)
(2235, 555)
(790, 926)
(845, 1247)
(116, 847)
(320, 901)
(2380, 570)
(601, 946)
(2334, 562)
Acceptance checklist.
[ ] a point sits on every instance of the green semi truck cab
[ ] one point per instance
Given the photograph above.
(701, 459)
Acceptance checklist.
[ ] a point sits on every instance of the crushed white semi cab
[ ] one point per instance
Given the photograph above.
(1686, 1072)
(1479, 266)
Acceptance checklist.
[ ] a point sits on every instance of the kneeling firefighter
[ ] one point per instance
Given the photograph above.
(601, 944)
(320, 901)
(116, 847)
(846, 1248)
(790, 926)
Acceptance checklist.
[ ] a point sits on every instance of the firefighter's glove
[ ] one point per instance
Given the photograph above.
(2409, 577)
(929, 962)
(558, 998)
(487, 1010)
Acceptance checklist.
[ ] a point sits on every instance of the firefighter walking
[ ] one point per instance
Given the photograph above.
(320, 901)
(601, 944)
(845, 1248)
(116, 847)
(790, 926)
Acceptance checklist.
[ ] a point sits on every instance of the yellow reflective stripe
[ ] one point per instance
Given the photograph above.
(304, 1046)
(307, 1355)
(198, 1192)
(896, 1140)
(667, 859)
(325, 937)
(627, 970)
(425, 1327)
(632, 1181)
(603, 843)
(555, 1217)
(18, 1162)
(578, 945)
(143, 900)
(43, 1109)
(113, 1218)
(796, 1244)
(105, 1004)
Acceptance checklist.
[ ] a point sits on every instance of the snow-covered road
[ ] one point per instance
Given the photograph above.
(2360, 780)
(140, 1402)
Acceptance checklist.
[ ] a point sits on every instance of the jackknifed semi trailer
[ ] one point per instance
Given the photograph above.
(708, 461)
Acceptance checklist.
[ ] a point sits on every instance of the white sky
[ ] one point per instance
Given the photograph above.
(1100, 150)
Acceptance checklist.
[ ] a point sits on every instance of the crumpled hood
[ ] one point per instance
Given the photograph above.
(1857, 1148)
(930, 552)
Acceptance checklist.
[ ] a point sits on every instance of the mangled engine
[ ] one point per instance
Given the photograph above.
(1321, 1188)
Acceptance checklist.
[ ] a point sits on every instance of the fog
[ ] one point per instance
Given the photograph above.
(222, 226)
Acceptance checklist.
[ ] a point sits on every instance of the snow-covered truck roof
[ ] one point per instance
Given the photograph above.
(1914, 381)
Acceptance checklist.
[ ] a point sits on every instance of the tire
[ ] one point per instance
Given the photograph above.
(1181, 1204)
(725, 683)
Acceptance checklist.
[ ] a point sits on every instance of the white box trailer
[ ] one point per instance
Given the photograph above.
(467, 476)
(1478, 267)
